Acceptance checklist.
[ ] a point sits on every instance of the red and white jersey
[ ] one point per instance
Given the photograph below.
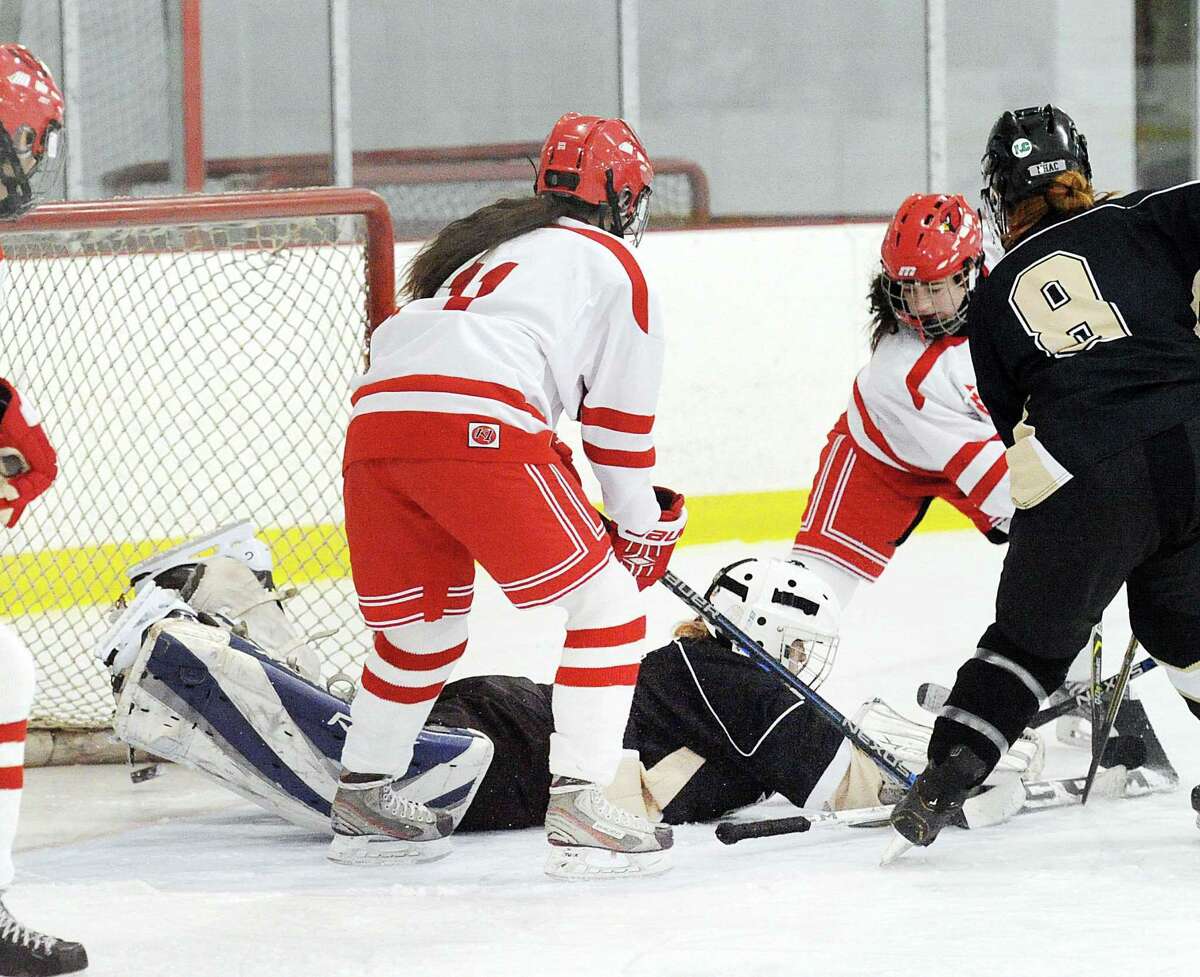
(558, 320)
(914, 406)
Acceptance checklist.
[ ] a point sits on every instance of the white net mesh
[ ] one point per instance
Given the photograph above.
(189, 374)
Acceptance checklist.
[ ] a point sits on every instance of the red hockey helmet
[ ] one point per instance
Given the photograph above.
(31, 137)
(932, 253)
(601, 162)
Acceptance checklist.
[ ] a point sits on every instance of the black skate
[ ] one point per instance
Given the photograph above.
(26, 953)
(934, 801)
(1196, 803)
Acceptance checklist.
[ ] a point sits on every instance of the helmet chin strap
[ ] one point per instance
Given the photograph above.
(614, 204)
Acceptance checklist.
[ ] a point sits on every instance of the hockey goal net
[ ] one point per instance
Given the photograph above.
(191, 359)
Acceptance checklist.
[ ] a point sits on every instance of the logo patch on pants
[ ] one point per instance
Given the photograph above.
(483, 435)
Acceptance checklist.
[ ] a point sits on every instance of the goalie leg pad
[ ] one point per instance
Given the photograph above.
(214, 702)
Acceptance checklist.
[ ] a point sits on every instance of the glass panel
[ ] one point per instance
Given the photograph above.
(1166, 91)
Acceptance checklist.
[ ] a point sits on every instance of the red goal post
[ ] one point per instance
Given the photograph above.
(191, 358)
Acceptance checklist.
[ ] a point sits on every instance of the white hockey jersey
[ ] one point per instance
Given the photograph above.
(914, 407)
(558, 320)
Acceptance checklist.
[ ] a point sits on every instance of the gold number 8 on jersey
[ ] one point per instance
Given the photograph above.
(1060, 306)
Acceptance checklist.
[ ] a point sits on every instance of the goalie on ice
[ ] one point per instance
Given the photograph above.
(212, 674)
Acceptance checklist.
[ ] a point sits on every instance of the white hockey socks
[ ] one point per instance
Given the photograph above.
(401, 680)
(16, 698)
(593, 688)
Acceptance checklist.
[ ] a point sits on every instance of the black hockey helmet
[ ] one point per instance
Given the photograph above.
(1026, 150)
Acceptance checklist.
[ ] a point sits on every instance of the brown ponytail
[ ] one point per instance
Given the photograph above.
(1070, 193)
(883, 319)
(481, 231)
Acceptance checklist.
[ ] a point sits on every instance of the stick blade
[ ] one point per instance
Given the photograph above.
(896, 847)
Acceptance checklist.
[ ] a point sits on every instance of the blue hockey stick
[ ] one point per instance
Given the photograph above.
(883, 758)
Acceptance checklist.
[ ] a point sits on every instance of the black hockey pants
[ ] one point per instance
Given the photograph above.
(1132, 518)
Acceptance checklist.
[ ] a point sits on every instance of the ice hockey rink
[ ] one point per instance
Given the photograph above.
(177, 877)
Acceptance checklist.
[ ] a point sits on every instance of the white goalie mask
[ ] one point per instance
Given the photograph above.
(786, 608)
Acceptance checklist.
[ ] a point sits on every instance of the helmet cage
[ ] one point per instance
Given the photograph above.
(639, 217)
(625, 215)
(26, 173)
(908, 297)
(806, 655)
(792, 628)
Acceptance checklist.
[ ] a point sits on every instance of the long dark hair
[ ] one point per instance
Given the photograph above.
(481, 231)
(883, 319)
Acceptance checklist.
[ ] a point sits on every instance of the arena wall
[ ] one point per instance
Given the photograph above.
(766, 327)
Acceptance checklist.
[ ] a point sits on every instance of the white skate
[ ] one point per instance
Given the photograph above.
(592, 838)
(227, 574)
(374, 824)
(119, 646)
(237, 540)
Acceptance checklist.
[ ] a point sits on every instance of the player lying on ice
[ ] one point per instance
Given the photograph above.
(206, 685)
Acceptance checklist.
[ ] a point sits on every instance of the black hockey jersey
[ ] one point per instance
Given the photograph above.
(749, 733)
(720, 732)
(1084, 335)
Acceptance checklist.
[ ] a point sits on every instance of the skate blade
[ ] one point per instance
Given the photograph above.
(580, 864)
(119, 646)
(219, 541)
(381, 850)
(896, 847)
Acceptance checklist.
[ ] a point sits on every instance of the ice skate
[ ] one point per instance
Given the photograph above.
(591, 838)
(27, 953)
(236, 540)
(118, 647)
(934, 801)
(374, 823)
(227, 575)
(1196, 803)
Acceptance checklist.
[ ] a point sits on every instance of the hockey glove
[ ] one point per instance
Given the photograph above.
(20, 429)
(645, 555)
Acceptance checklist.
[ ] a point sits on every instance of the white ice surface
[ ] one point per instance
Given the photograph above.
(175, 877)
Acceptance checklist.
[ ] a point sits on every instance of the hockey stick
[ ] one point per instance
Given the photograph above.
(1094, 686)
(1114, 706)
(883, 758)
(731, 832)
(1040, 795)
(931, 696)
